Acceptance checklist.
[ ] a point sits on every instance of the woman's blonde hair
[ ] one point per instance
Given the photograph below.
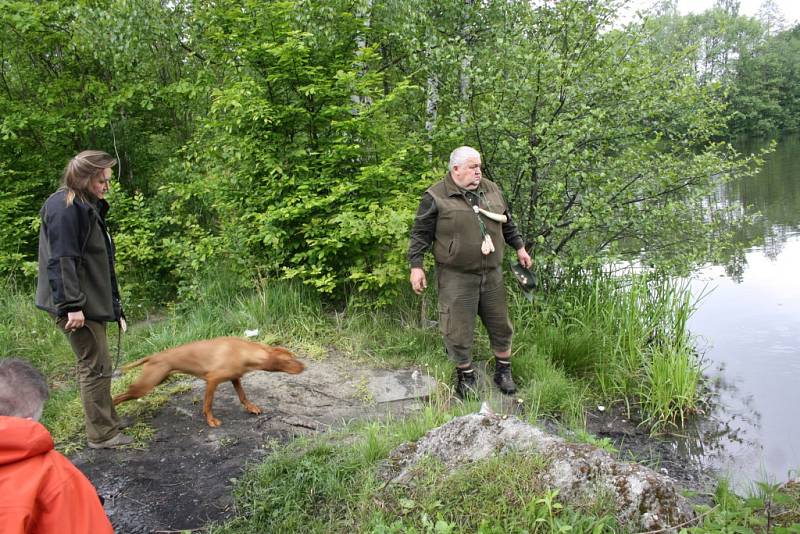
(81, 169)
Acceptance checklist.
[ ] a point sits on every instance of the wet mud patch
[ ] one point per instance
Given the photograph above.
(663, 454)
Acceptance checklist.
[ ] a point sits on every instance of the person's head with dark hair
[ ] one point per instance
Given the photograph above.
(23, 389)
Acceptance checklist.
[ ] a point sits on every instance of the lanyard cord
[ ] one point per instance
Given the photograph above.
(481, 224)
(119, 347)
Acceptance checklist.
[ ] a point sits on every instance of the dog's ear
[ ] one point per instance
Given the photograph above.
(279, 352)
(283, 359)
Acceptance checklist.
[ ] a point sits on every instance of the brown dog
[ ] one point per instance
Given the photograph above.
(215, 361)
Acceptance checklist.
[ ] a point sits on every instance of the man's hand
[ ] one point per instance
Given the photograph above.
(418, 280)
(123, 324)
(75, 321)
(524, 258)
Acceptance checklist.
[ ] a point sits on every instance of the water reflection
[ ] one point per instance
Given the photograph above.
(773, 192)
(748, 329)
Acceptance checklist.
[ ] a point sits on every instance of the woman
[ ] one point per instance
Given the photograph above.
(78, 286)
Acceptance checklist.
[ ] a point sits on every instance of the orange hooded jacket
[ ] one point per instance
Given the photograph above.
(40, 490)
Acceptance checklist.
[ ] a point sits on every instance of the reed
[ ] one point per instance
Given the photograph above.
(625, 336)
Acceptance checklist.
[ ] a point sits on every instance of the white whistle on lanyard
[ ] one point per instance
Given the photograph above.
(499, 217)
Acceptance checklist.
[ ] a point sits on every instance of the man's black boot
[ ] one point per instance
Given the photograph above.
(466, 384)
(502, 376)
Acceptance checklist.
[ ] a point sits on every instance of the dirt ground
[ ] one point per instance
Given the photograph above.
(184, 479)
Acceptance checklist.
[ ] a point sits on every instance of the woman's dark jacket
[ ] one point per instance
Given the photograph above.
(76, 260)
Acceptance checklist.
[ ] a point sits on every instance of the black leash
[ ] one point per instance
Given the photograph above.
(119, 347)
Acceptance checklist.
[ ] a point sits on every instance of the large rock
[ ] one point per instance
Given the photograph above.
(644, 499)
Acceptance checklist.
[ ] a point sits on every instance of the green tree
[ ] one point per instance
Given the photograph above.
(765, 95)
(604, 146)
(293, 138)
(87, 74)
(304, 169)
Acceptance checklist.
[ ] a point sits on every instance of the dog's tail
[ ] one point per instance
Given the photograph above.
(137, 363)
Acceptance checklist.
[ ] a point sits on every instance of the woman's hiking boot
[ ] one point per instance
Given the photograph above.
(119, 440)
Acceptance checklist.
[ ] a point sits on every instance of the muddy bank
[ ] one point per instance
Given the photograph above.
(185, 477)
(657, 453)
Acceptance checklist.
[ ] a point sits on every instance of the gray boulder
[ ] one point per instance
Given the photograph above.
(644, 499)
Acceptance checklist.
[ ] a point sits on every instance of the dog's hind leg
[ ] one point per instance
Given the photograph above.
(249, 406)
(152, 375)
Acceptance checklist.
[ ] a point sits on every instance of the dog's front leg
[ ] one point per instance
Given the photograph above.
(211, 387)
(249, 406)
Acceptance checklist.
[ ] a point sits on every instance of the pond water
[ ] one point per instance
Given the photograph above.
(748, 329)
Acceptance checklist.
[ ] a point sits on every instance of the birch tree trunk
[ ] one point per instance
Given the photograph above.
(364, 12)
(466, 60)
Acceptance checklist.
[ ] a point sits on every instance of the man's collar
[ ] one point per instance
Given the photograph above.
(453, 190)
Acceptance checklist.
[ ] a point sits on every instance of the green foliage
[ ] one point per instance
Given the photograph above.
(752, 63)
(770, 508)
(604, 147)
(292, 139)
(79, 75)
(301, 168)
(765, 94)
(29, 333)
(141, 253)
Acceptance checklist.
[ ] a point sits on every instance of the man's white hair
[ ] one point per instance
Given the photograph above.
(461, 154)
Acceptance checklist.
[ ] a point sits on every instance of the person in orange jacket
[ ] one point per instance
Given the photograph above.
(42, 492)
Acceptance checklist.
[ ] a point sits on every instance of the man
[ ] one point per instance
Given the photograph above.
(465, 218)
(42, 491)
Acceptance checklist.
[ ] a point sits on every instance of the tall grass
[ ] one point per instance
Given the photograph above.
(283, 312)
(30, 333)
(601, 337)
(671, 387)
(627, 337)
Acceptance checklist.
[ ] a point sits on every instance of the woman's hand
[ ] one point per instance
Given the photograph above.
(75, 321)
